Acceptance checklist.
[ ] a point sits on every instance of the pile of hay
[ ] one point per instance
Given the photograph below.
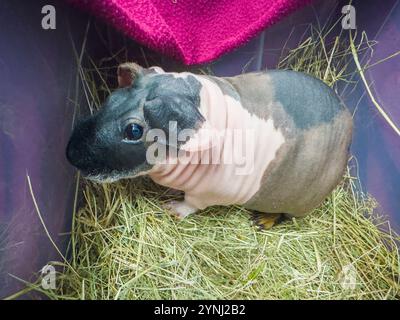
(125, 246)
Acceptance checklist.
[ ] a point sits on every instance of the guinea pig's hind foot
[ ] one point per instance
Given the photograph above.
(265, 221)
(180, 209)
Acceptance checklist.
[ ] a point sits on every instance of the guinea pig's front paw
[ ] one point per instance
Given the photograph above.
(179, 209)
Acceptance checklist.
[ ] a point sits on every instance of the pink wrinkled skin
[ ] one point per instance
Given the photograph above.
(222, 183)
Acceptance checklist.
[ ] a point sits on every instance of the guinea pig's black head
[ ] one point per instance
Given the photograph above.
(111, 144)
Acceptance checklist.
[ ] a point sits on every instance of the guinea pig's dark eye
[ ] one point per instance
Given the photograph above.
(133, 131)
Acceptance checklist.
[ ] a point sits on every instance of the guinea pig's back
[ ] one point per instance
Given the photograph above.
(317, 129)
(305, 100)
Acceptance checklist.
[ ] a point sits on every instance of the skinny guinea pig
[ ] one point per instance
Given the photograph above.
(294, 130)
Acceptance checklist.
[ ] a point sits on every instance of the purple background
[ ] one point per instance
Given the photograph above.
(38, 74)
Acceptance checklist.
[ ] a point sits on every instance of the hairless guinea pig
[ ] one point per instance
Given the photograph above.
(276, 142)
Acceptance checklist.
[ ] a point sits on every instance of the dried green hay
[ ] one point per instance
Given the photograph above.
(125, 246)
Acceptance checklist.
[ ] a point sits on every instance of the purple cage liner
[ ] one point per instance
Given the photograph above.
(38, 74)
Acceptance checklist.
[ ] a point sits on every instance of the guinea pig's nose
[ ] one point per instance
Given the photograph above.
(77, 151)
(76, 156)
(72, 154)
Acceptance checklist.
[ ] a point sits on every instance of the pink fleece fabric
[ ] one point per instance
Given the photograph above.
(193, 31)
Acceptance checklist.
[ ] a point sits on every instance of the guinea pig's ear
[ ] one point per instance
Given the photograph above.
(156, 69)
(127, 73)
(171, 115)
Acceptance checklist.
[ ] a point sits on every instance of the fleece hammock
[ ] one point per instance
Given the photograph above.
(192, 31)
